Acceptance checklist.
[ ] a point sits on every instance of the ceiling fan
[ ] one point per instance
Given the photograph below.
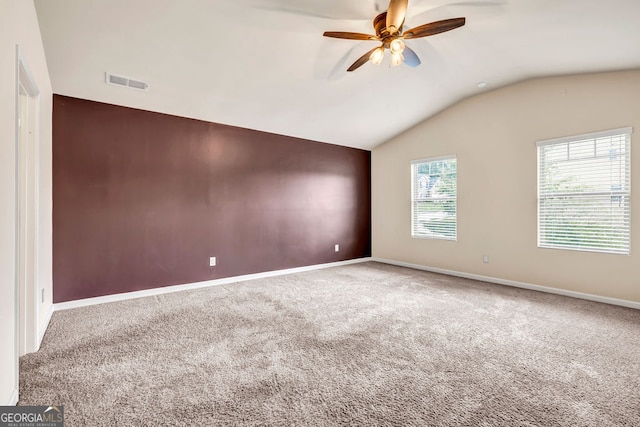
(389, 32)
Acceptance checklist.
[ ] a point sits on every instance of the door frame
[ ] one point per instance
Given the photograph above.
(26, 208)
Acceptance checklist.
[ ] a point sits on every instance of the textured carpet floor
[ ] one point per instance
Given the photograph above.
(365, 344)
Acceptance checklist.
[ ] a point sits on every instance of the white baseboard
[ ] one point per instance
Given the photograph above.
(573, 294)
(13, 400)
(198, 285)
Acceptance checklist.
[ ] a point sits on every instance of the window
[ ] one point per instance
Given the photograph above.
(584, 192)
(434, 198)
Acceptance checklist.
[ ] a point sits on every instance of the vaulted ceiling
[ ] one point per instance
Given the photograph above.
(264, 64)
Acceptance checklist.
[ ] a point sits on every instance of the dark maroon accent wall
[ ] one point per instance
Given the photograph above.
(142, 200)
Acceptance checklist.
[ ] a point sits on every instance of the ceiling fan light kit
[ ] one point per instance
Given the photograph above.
(397, 46)
(396, 59)
(377, 55)
(389, 31)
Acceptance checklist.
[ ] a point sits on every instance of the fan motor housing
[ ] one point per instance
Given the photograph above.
(380, 25)
(380, 22)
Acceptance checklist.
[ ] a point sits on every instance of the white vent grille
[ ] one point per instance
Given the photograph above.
(126, 81)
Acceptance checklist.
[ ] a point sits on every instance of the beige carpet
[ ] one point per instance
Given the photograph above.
(366, 344)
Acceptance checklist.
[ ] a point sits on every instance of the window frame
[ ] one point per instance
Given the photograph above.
(542, 239)
(414, 200)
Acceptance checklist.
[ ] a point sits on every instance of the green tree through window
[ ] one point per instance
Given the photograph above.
(434, 198)
(584, 192)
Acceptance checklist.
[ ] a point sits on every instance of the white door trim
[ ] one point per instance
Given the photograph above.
(26, 308)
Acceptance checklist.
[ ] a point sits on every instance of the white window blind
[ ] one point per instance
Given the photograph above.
(584, 192)
(434, 198)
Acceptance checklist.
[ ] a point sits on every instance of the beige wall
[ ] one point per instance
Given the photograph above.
(494, 136)
(19, 26)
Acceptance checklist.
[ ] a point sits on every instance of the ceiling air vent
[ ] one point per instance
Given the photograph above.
(126, 81)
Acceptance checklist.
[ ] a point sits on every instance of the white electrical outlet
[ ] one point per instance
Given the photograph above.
(337, 248)
(485, 259)
(212, 261)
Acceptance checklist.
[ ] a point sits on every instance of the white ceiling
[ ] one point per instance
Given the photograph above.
(263, 64)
